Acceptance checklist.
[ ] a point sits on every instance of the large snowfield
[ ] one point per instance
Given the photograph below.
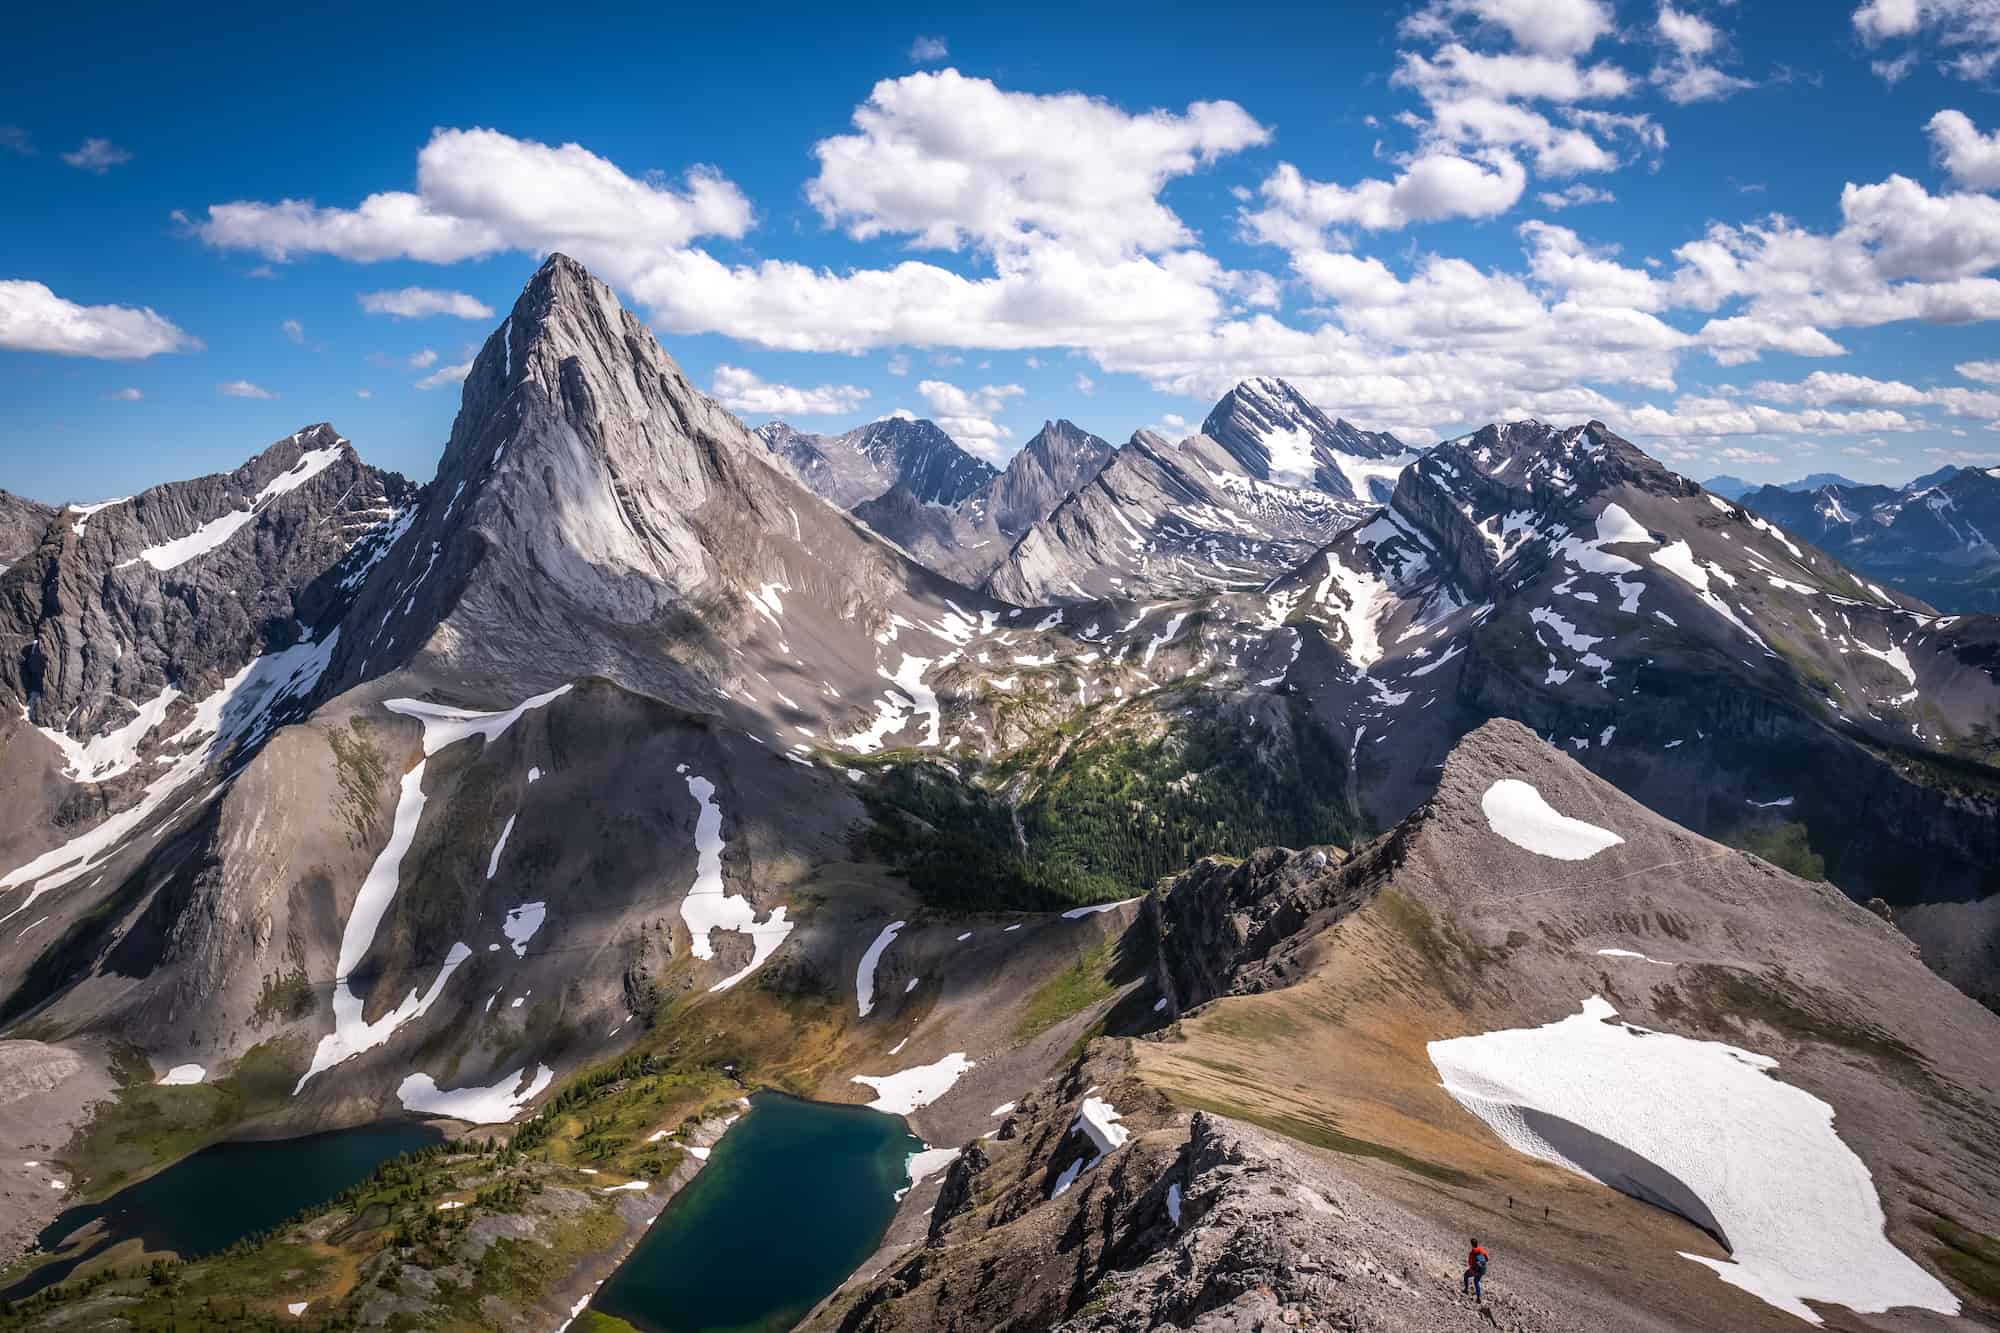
(1704, 1129)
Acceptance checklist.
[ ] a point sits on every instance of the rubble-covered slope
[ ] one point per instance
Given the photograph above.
(1281, 1151)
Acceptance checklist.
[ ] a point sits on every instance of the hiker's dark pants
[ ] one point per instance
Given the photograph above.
(1471, 1283)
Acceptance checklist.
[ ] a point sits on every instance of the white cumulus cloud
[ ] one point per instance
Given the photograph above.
(243, 389)
(741, 390)
(480, 192)
(445, 375)
(967, 414)
(1972, 158)
(34, 319)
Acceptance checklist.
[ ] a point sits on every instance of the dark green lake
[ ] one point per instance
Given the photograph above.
(214, 1198)
(791, 1201)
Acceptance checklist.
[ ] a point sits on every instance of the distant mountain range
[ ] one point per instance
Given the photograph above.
(1735, 488)
(637, 758)
(1930, 537)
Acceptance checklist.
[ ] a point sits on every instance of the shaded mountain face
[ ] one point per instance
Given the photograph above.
(871, 460)
(22, 523)
(967, 540)
(1269, 479)
(1728, 487)
(179, 586)
(1934, 537)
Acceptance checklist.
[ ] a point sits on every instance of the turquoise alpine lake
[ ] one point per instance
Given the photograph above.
(210, 1200)
(795, 1196)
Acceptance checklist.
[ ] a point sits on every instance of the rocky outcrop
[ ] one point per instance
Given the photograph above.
(1278, 435)
(1194, 1221)
(1059, 457)
(1215, 926)
(22, 523)
(1169, 520)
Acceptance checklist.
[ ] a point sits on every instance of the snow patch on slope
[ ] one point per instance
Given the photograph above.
(1517, 812)
(494, 1105)
(709, 906)
(907, 1091)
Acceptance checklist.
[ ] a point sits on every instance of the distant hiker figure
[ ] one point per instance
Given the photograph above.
(1475, 1271)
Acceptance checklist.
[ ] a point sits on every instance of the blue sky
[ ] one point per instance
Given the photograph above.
(1786, 262)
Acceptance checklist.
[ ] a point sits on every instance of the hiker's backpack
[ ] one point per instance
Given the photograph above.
(1479, 1263)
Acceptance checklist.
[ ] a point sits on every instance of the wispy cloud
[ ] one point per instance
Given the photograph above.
(444, 375)
(928, 50)
(423, 302)
(293, 330)
(243, 389)
(741, 390)
(97, 156)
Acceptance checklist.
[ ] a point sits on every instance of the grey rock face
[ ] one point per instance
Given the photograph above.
(1060, 457)
(967, 540)
(183, 583)
(1169, 520)
(22, 523)
(870, 460)
(1277, 435)
(1269, 479)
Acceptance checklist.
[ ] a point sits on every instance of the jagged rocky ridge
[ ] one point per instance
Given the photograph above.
(1267, 480)
(967, 540)
(22, 523)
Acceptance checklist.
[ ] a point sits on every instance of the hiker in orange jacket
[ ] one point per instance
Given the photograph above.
(1475, 1270)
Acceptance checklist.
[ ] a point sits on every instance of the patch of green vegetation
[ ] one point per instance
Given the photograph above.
(147, 1126)
(359, 768)
(1320, 1134)
(1783, 843)
(1971, 1257)
(1121, 807)
(1723, 997)
(590, 1321)
(1451, 956)
(518, 1271)
(1082, 984)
